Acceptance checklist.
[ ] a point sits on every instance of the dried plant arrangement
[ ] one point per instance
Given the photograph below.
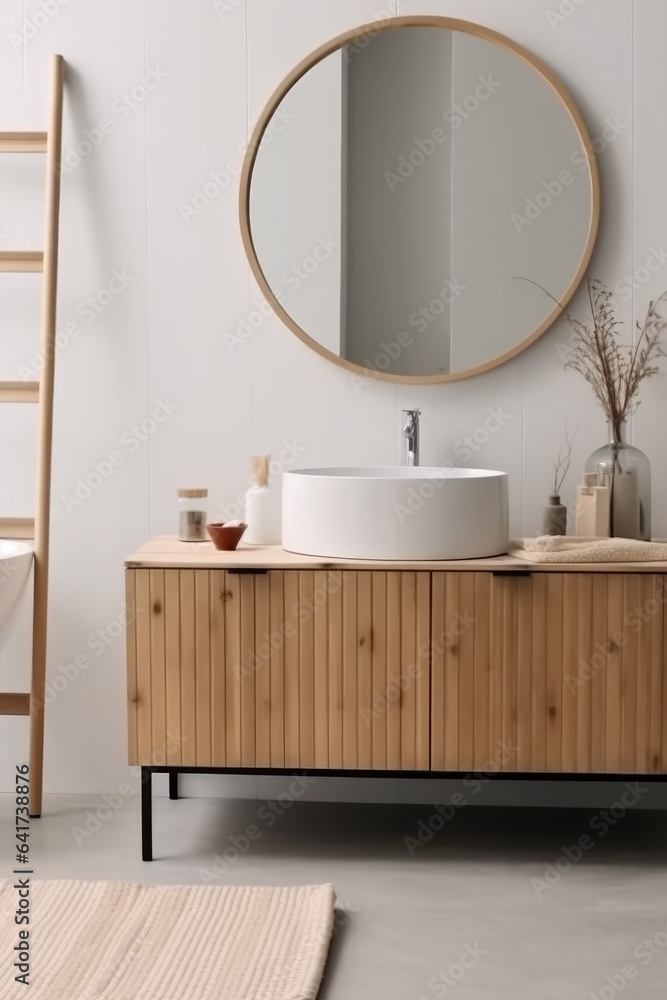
(563, 462)
(615, 371)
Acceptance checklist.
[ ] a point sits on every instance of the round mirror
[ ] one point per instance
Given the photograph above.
(420, 199)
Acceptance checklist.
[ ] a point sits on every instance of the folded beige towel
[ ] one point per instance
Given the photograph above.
(569, 549)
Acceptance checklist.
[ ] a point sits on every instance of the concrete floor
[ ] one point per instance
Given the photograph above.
(462, 917)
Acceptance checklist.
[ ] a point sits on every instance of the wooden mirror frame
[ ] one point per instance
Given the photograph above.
(354, 36)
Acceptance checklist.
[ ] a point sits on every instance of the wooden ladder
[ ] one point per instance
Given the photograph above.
(40, 392)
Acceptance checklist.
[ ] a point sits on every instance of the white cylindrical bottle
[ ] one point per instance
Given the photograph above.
(262, 512)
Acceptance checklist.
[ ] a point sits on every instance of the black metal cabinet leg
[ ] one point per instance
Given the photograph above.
(173, 784)
(146, 814)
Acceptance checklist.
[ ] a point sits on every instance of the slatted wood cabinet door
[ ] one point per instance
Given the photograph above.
(558, 672)
(398, 670)
(318, 669)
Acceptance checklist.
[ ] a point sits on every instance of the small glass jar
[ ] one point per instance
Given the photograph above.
(192, 515)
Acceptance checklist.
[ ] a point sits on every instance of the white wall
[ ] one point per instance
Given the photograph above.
(162, 337)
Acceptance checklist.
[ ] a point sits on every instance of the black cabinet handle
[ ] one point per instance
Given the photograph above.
(246, 572)
(512, 572)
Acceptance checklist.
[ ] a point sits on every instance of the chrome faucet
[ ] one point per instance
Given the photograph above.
(410, 437)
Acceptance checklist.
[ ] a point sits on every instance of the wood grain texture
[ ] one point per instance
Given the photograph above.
(262, 645)
(172, 653)
(321, 592)
(186, 610)
(462, 687)
(585, 649)
(46, 260)
(17, 703)
(276, 666)
(306, 621)
(131, 660)
(537, 611)
(614, 674)
(379, 640)
(158, 670)
(594, 671)
(167, 552)
(365, 670)
(291, 668)
(481, 637)
(573, 615)
(391, 703)
(658, 722)
(421, 680)
(216, 597)
(447, 641)
(203, 669)
(398, 670)
(248, 676)
(334, 667)
(236, 667)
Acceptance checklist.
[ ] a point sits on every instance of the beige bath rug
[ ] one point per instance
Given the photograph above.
(122, 941)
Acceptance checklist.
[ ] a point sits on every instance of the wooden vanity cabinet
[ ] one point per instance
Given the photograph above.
(393, 669)
(551, 672)
(313, 669)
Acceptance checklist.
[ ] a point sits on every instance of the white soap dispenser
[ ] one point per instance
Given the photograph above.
(262, 511)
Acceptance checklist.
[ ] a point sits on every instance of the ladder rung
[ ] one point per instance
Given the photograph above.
(19, 392)
(14, 704)
(21, 260)
(22, 142)
(17, 527)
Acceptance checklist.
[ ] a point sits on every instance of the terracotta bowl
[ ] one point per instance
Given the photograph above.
(225, 539)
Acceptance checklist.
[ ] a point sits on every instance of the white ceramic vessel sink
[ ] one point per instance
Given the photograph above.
(15, 562)
(396, 513)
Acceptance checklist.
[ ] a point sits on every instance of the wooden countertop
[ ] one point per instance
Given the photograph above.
(166, 552)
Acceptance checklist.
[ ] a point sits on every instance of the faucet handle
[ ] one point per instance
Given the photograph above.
(411, 421)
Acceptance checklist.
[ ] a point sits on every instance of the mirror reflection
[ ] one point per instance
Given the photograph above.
(416, 197)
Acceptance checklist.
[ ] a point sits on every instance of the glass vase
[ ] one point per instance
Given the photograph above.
(627, 471)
